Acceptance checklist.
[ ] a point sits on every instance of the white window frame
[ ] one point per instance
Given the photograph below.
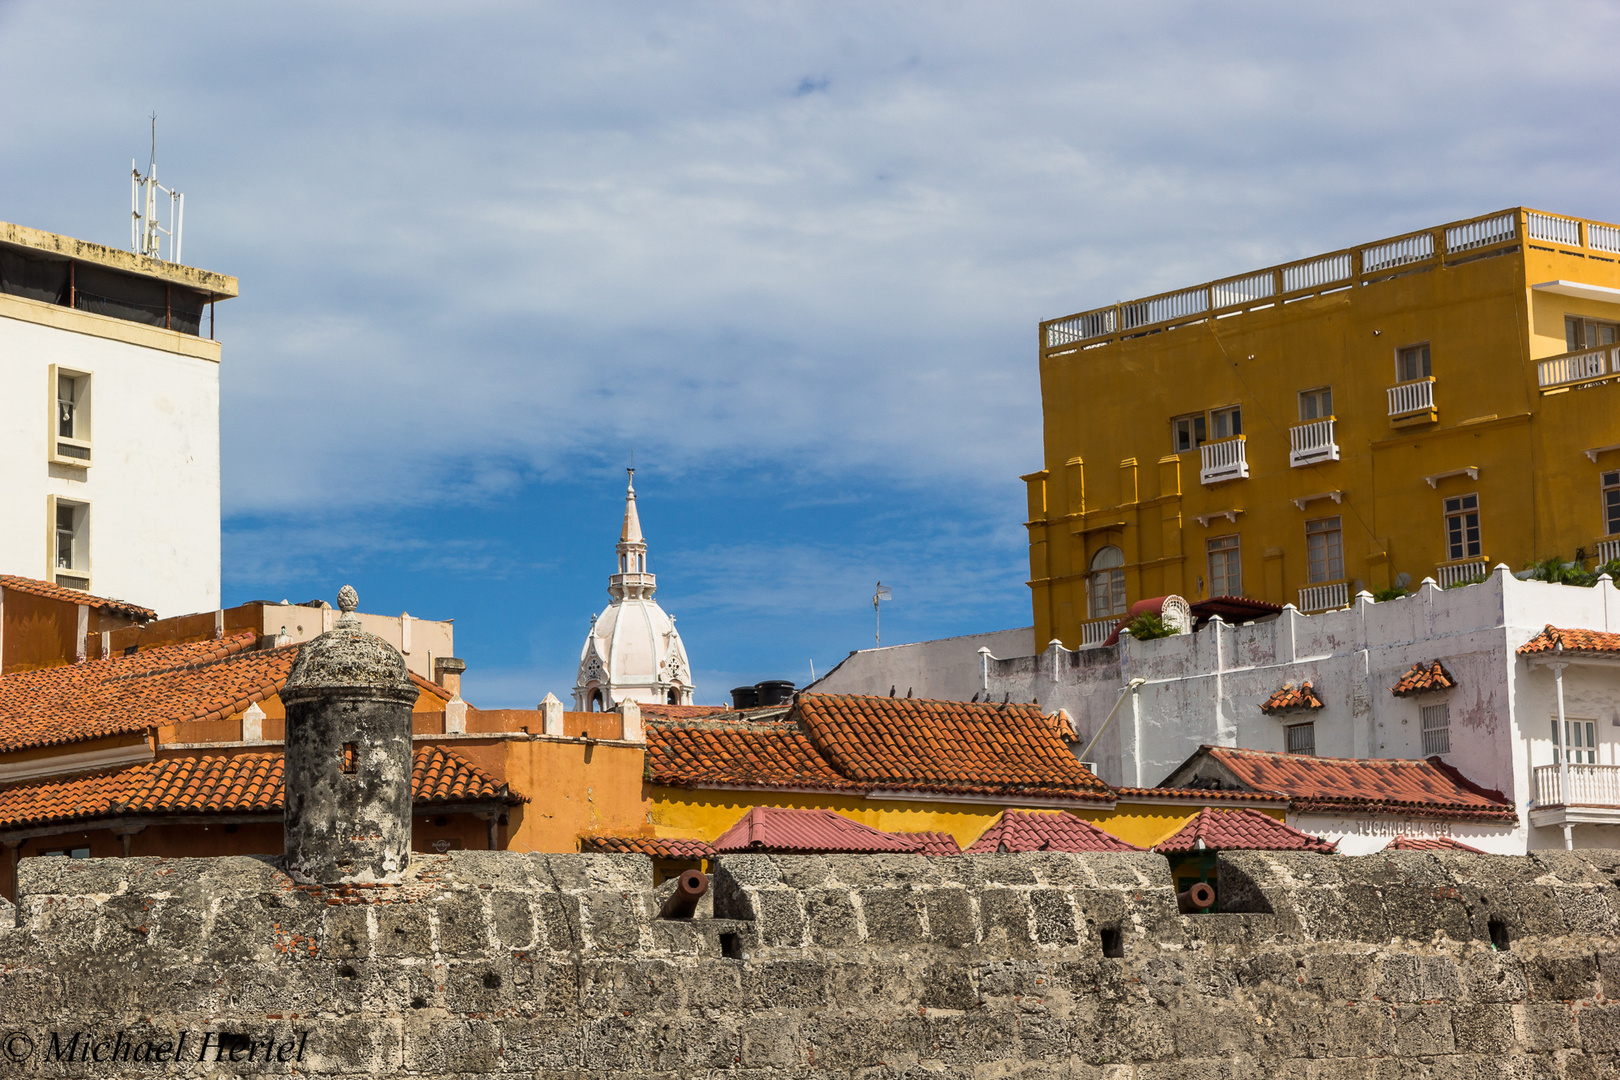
(1580, 739)
(1107, 580)
(1231, 554)
(79, 572)
(70, 450)
(1315, 396)
(1229, 415)
(1434, 722)
(1421, 364)
(1336, 530)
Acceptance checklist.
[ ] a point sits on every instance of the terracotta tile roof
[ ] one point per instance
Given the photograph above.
(52, 591)
(218, 784)
(934, 843)
(1239, 830)
(777, 828)
(1051, 830)
(914, 744)
(199, 680)
(1233, 609)
(658, 847)
(769, 754)
(1291, 698)
(1423, 678)
(1197, 795)
(1429, 843)
(1576, 641)
(1322, 785)
(167, 684)
(688, 712)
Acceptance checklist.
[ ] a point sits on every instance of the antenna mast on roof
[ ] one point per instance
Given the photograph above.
(146, 233)
(883, 593)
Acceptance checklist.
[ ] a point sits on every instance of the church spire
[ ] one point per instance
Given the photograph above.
(632, 582)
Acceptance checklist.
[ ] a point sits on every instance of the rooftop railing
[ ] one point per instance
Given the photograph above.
(1364, 264)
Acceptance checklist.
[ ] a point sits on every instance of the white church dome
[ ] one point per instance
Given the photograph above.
(633, 651)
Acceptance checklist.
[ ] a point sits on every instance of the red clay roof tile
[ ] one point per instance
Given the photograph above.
(914, 744)
(1197, 795)
(1292, 698)
(1423, 678)
(52, 591)
(1053, 830)
(658, 847)
(779, 828)
(218, 784)
(774, 754)
(1429, 788)
(1576, 641)
(934, 842)
(1239, 830)
(1429, 843)
(119, 695)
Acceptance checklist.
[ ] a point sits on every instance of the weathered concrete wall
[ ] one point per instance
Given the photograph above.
(499, 963)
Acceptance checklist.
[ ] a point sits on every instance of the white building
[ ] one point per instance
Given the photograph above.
(946, 669)
(109, 421)
(1492, 715)
(632, 652)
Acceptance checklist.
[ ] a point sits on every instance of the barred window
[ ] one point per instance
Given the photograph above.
(1301, 739)
(1436, 729)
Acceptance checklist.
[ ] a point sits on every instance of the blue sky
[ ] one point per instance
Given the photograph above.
(791, 257)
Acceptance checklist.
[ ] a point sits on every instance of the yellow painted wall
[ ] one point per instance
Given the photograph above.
(1146, 824)
(1110, 475)
(574, 788)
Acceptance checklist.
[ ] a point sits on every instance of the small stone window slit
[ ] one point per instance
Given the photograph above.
(1113, 942)
(351, 757)
(1499, 933)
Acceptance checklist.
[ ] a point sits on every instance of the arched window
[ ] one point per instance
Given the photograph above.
(674, 697)
(596, 701)
(1107, 583)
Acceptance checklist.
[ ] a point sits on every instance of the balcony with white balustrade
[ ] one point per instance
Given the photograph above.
(1578, 370)
(1097, 631)
(1312, 443)
(1465, 571)
(1608, 550)
(1592, 798)
(1412, 403)
(1328, 596)
(1224, 460)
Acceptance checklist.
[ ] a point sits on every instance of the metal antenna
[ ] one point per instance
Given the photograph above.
(883, 593)
(146, 233)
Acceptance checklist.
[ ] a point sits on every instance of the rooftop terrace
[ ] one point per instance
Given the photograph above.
(1447, 245)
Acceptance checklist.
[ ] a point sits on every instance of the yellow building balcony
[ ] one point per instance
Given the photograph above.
(1328, 596)
(1224, 460)
(1463, 570)
(1312, 443)
(1608, 550)
(1578, 369)
(1412, 402)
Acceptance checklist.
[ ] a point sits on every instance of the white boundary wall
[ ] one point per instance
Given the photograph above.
(1207, 687)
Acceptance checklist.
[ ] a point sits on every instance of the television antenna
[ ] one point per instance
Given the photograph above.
(146, 232)
(883, 593)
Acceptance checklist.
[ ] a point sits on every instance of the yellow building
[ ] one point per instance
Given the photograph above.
(1424, 406)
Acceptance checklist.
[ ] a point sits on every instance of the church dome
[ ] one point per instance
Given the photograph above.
(633, 651)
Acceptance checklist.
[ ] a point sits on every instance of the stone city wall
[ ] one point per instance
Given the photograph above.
(1394, 965)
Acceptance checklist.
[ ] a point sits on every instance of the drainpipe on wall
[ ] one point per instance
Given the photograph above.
(1085, 755)
(1561, 742)
(984, 671)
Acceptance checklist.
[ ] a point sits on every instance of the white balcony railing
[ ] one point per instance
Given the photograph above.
(1328, 597)
(1312, 442)
(1225, 460)
(1097, 631)
(1577, 367)
(1608, 551)
(1589, 785)
(1453, 573)
(1557, 230)
(1411, 397)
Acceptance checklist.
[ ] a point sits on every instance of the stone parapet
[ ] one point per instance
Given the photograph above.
(841, 966)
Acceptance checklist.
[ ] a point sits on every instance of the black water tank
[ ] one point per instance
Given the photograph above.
(745, 697)
(775, 692)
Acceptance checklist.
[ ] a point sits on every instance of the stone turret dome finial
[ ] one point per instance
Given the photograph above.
(348, 601)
